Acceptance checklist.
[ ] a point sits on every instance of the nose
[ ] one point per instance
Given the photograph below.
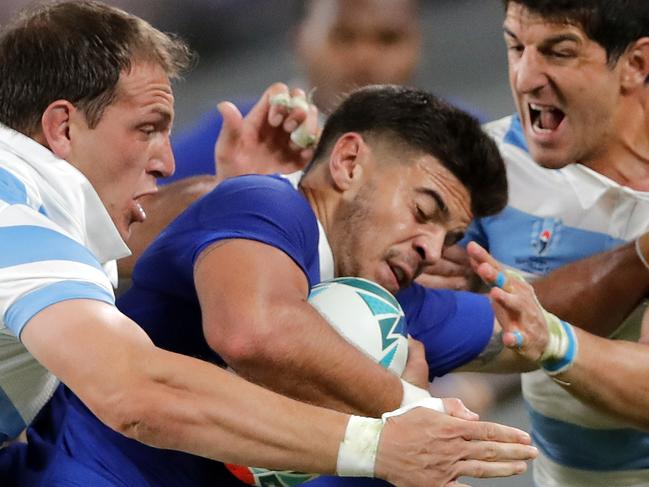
(163, 164)
(528, 74)
(429, 246)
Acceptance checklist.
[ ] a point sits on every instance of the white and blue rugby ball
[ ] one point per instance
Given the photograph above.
(367, 315)
(370, 318)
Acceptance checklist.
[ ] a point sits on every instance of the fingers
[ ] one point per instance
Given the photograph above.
(478, 255)
(442, 282)
(456, 408)
(294, 113)
(456, 253)
(482, 430)
(232, 120)
(481, 469)
(452, 271)
(494, 451)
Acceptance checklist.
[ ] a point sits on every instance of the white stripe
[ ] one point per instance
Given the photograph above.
(19, 280)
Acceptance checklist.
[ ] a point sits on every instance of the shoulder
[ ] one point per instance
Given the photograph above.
(259, 194)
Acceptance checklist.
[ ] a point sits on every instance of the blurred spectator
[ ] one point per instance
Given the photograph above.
(339, 45)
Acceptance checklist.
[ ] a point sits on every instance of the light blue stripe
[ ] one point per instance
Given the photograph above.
(11, 422)
(590, 449)
(12, 189)
(513, 234)
(514, 135)
(557, 365)
(23, 244)
(26, 307)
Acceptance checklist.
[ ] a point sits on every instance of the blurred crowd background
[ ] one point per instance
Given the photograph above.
(244, 45)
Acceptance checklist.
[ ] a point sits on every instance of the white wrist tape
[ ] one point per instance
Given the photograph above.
(434, 403)
(561, 351)
(641, 256)
(412, 393)
(357, 452)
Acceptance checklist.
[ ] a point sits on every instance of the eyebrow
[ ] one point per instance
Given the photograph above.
(164, 114)
(436, 196)
(550, 40)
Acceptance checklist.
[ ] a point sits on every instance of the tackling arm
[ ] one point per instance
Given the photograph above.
(597, 293)
(172, 401)
(609, 374)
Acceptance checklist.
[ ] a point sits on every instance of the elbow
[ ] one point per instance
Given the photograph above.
(250, 346)
(132, 412)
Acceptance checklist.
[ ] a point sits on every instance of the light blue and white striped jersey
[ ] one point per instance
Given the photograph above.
(555, 217)
(57, 242)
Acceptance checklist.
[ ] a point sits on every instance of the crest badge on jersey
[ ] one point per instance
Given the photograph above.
(544, 233)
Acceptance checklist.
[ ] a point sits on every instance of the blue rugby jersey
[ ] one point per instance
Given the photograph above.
(455, 327)
(555, 217)
(57, 242)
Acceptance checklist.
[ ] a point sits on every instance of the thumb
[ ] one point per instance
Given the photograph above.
(232, 124)
(456, 408)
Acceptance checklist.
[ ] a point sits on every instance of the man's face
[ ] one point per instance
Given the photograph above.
(129, 148)
(398, 220)
(345, 44)
(565, 92)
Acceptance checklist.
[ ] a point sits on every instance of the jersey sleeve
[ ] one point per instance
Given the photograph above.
(41, 265)
(453, 326)
(262, 208)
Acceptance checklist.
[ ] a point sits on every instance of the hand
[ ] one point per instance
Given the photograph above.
(426, 448)
(515, 304)
(416, 371)
(452, 271)
(260, 143)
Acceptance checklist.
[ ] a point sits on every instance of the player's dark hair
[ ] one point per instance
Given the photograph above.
(426, 124)
(75, 50)
(613, 24)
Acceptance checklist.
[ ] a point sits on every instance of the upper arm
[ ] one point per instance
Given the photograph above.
(42, 265)
(91, 347)
(240, 285)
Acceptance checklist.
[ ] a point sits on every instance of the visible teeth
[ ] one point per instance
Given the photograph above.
(140, 210)
(540, 108)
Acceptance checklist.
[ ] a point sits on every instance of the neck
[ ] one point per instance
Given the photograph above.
(319, 198)
(626, 158)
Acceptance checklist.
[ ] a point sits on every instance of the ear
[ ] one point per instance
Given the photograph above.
(635, 70)
(345, 160)
(55, 126)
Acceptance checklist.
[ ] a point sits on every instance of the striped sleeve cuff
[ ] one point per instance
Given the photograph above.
(26, 307)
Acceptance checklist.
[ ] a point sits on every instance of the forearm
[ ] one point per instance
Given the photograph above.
(172, 401)
(597, 293)
(193, 406)
(496, 358)
(161, 208)
(294, 351)
(611, 375)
